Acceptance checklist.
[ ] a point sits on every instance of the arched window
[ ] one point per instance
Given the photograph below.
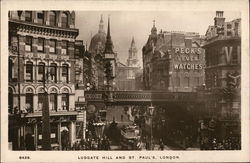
(29, 71)
(10, 101)
(53, 72)
(64, 20)
(52, 18)
(65, 99)
(65, 73)
(41, 72)
(29, 102)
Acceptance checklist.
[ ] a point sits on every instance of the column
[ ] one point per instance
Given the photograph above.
(72, 135)
(84, 124)
(35, 135)
(59, 136)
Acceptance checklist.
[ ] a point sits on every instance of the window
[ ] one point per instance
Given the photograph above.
(41, 72)
(52, 18)
(40, 17)
(65, 75)
(52, 46)
(53, 72)
(28, 16)
(64, 47)
(40, 101)
(186, 82)
(229, 33)
(65, 101)
(236, 28)
(64, 20)
(229, 26)
(10, 101)
(28, 43)
(29, 71)
(29, 102)
(10, 70)
(53, 102)
(40, 46)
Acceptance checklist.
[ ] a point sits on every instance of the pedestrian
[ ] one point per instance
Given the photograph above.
(161, 145)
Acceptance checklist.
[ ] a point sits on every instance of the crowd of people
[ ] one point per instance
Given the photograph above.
(91, 144)
(230, 143)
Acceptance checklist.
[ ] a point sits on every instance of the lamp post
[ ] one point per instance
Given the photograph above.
(151, 111)
(46, 144)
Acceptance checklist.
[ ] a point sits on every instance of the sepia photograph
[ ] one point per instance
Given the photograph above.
(124, 80)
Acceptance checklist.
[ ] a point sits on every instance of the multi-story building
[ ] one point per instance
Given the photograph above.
(223, 71)
(42, 55)
(173, 61)
(128, 75)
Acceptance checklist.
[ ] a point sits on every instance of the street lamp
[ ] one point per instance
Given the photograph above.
(151, 111)
(46, 144)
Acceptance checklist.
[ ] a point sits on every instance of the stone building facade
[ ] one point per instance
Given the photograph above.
(173, 61)
(42, 46)
(223, 73)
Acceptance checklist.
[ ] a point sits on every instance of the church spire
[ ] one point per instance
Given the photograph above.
(154, 29)
(132, 60)
(101, 26)
(109, 43)
(133, 41)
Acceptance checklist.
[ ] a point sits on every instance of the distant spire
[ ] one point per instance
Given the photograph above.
(133, 41)
(109, 44)
(154, 30)
(101, 26)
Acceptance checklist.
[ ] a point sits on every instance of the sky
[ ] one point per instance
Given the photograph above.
(127, 24)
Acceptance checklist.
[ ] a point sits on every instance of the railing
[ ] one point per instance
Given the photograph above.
(123, 96)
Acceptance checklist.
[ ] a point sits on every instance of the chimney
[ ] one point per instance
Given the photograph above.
(219, 19)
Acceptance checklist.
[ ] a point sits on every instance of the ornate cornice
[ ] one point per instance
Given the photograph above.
(37, 29)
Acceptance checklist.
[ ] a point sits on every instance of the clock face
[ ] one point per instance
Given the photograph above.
(91, 109)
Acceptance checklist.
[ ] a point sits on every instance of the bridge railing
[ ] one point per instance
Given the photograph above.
(137, 96)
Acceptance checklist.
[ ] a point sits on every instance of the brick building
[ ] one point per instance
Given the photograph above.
(223, 71)
(173, 61)
(42, 46)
